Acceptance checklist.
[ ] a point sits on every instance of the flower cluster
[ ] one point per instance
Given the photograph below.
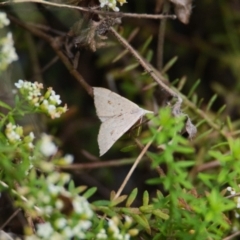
(112, 4)
(3, 20)
(67, 215)
(113, 232)
(7, 51)
(48, 103)
(233, 192)
(14, 135)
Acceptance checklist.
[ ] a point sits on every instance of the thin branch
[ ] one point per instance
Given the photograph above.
(232, 236)
(158, 168)
(83, 9)
(113, 163)
(134, 167)
(10, 218)
(143, 63)
(55, 43)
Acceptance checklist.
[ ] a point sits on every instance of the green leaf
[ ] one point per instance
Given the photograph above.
(146, 44)
(4, 105)
(149, 55)
(89, 192)
(154, 181)
(130, 67)
(193, 88)
(131, 197)
(169, 64)
(145, 198)
(71, 186)
(129, 148)
(146, 209)
(184, 150)
(212, 100)
(160, 214)
(118, 200)
(101, 203)
(185, 164)
(80, 189)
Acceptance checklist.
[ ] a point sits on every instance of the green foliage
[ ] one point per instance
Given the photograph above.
(192, 183)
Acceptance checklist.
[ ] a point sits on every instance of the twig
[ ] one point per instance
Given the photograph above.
(113, 163)
(134, 166)
(83, 9)
(158, 168)
(55, 44)
(10, 218)
(144, 64)
(161, 35)
(232, 236)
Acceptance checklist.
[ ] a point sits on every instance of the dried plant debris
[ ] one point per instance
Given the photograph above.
(189, 127)
(183, 9)
(176, 109)
(93, 33)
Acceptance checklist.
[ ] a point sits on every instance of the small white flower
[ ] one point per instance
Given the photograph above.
(60, 223)
(19, 84)
(55, 99)
(31, 135)
(68, 158)
(102, 234)
(48, 210)
(126, 237)
(4, 21)
(44, 230)
(53, 177)
(232, 192)
(67, 232)
(81, 206)
(47, 147)
(59, 204)
(54, 190)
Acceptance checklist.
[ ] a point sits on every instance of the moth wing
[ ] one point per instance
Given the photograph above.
(109, 104)
(113, 128)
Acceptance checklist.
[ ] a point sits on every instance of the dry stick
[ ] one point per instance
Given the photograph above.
(55, 43)
(232, 236)
(159, 79)
(10, 218)
(161, 34)
(133, 167)
(144, 64)
(83, 9)
(113, 163)
(158, 168)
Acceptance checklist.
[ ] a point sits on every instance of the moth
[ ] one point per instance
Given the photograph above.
(117, 115)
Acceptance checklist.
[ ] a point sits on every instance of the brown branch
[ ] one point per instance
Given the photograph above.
(232, 236)
(106, 13)
(113, 163)
(56, 45)
(158, 168)
(10, 218)
(144, 64)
